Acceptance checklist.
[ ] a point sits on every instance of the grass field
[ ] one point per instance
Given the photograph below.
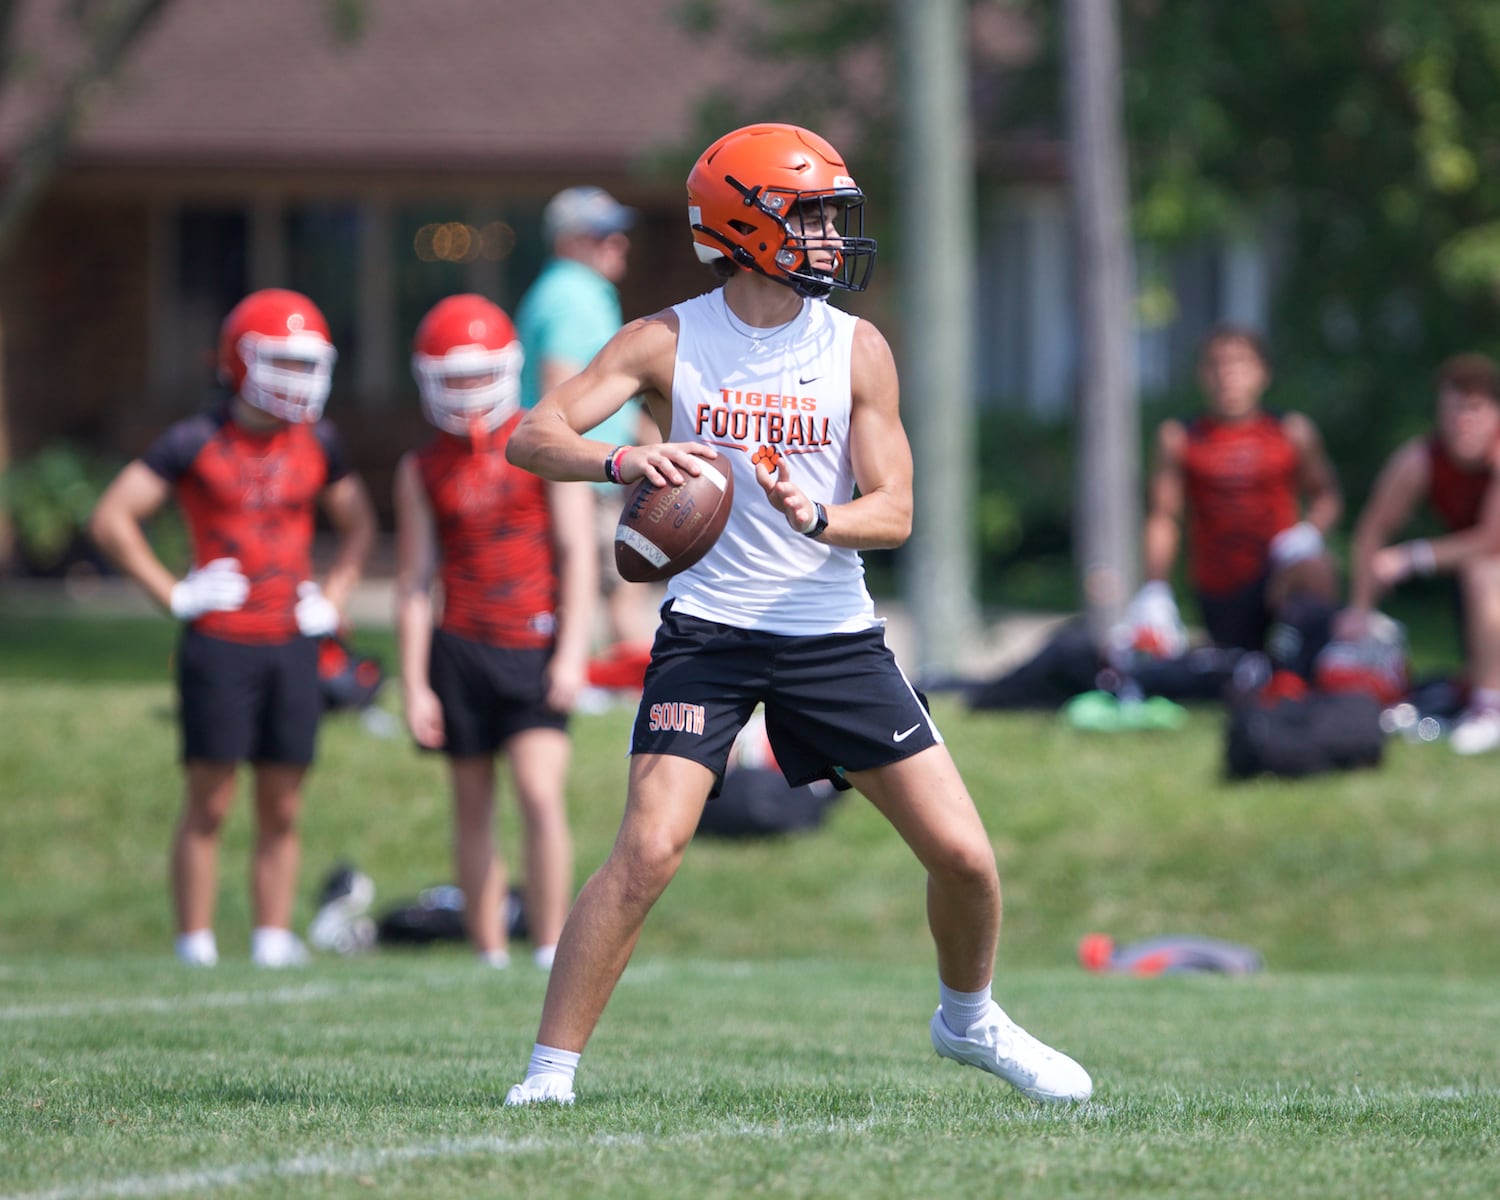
(769, 1038)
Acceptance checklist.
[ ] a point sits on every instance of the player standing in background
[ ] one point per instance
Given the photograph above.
(800, 401)
(1260, 495)
(1453, 469)
(248, 478)
(504, 667)
(564, 319)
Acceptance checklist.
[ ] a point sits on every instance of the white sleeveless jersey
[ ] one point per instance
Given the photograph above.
(779, 393)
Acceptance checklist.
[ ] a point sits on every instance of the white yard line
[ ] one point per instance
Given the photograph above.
(172, 1004)
(363, 1162)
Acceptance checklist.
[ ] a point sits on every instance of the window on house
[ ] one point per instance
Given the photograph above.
(322, 262)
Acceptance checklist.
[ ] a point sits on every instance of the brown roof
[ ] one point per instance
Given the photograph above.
(471, 84)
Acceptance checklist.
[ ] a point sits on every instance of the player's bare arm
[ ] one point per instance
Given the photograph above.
(1319, 482)
(352, 515)
(115, 525)
(637, 361)
(416, 564)
(1375, 564)
(1165, 501)
(572, 506)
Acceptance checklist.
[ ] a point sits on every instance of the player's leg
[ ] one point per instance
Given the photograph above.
(703, 683)
(1478, 731)
(926, 801)
(539, 766)
(218, 691)
(661, 812)
(208, 795)
(480, 869)
(275, 863)
(290, 707)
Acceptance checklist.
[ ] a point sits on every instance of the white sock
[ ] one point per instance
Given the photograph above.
(543, 956)
(548, 1060)
(499, 959)
(962, 1009)
(198, 948)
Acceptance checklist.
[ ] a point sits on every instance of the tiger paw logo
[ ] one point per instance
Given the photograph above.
(767, 457)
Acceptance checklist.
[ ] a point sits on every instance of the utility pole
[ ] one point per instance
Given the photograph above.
(1107, 524)
(938, 291)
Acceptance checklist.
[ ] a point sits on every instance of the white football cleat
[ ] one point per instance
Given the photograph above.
(1477, 732)
(541, 1089)
(998, 1045)
(287, 950)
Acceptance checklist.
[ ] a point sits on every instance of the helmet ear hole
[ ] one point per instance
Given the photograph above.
(743, 227)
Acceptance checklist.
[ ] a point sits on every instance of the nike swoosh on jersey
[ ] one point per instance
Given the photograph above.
(905, 733)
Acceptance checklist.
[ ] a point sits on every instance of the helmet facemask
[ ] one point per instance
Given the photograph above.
(469, 390)
(288, 377)
(821, 248)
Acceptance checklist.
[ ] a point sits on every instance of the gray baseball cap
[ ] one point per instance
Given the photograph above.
(589, 210)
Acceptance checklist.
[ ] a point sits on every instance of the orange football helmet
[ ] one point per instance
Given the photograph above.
(275, 352)
(467, 361)
(778, 200)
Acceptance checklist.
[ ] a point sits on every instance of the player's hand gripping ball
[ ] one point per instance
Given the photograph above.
(664, 530)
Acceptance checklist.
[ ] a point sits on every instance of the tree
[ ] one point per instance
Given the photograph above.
(107, 28)
(105, 31)
(1368, 136)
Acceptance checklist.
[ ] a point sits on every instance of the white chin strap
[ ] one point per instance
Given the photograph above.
(290, 393)
(487, 404)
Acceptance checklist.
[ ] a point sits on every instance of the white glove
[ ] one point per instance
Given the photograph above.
(1300, 541)
(317, 615)
(218, 586)
(1152, 617)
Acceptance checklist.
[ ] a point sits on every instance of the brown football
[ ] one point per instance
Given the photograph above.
(664, 530)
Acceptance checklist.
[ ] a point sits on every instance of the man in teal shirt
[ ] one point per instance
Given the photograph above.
(563, 320)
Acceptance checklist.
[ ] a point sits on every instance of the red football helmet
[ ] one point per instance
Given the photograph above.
(275, 352)
(778, 200)
(467, 361)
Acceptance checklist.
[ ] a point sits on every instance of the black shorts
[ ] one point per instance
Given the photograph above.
(835, 702)
(1239, 619)
(489, 693)
(248, 703)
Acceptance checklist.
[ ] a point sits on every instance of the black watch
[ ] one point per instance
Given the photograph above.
(820, 521)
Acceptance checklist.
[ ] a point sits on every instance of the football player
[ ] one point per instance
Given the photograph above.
(1260, 495)
(248, 477)
(1453, 471)
(516, 557)
(800, 400)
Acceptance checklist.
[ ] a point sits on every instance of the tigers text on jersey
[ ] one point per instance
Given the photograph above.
(1241, 482)
(768, 396)
(251, 495)
(494, 528)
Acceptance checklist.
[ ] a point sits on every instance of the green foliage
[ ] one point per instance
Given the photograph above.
(1021, 513)
(1365, 136)
(49, 497)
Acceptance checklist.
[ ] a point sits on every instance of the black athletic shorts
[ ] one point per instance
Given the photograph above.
(834, 702)
(242, 702)
(489, 693)
(1238, 619)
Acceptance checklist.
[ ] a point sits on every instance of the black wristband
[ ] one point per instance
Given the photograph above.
(611, 475)
(820, 521)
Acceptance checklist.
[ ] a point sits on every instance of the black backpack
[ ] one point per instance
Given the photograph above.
(1306, 735)
(758, 802)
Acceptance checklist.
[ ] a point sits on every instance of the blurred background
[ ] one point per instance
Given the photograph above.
(1320, 170)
